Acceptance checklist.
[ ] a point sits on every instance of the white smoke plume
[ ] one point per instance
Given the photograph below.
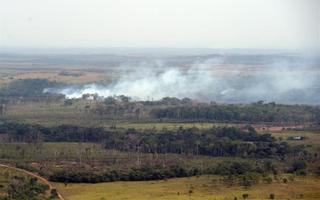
(210, 80)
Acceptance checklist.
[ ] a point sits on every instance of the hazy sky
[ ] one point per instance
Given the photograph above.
(160, 23)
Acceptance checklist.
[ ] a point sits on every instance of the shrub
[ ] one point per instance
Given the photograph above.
(285, 180)
(245, 196)
(249, 179)
(272, 196)
(299, 165)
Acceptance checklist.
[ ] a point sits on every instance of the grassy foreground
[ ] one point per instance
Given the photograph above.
(10, 178)
(197, 188)
(5, 177)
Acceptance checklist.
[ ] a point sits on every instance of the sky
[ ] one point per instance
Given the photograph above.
(257, 24)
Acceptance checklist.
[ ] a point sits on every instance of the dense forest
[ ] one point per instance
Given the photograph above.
(244, 172)
(257, 112)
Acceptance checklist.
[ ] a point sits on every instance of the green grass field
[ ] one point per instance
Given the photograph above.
(311, 137)
(197, 188)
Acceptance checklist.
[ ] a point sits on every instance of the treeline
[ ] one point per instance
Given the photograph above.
(242, 169)
(216, 141)
(64, 133)
(144, 173)
(170, 108)
(256, 112)
(210, 142)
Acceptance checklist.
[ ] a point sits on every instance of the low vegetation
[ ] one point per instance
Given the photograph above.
(197, 188)
(16, 185)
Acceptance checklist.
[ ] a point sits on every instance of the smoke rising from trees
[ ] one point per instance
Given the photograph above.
(281, 81)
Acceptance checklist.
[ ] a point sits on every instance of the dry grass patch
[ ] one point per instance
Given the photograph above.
(197, 188)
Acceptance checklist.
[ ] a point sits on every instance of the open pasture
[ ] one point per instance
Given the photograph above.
(196, 188)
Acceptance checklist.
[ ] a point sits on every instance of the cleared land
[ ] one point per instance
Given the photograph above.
(197, 188)
(68, 155)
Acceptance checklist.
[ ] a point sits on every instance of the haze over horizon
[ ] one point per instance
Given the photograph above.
(206, 34)
(245, 24)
